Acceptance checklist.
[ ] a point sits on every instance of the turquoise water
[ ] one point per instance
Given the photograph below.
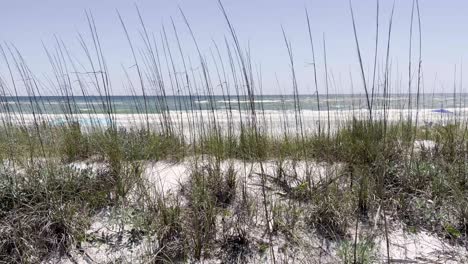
(155, 104)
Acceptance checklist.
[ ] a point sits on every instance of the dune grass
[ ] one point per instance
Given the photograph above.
(383, 171)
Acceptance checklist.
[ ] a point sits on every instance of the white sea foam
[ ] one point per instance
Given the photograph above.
(248, 101)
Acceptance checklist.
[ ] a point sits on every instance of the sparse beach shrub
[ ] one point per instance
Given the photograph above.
(46, 211)
(332, 212)
(202, 212)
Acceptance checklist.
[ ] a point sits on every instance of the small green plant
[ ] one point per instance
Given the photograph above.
(285, 218)
(263, 247)
(452, 231)
(362, 253)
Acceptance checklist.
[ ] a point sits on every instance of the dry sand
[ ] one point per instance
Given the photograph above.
(164, 177)
(271, 122)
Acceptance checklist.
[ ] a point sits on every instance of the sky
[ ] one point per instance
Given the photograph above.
(27, 24)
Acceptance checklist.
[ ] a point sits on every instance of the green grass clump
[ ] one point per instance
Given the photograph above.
(202, 214)
(332, 211)
(210, 189)
(74, 145)
(363, 252)
(147, 145)
(252, 145)
(46, 210)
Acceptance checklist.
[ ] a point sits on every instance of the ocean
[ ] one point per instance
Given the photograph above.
(157, 104)
(194, 115)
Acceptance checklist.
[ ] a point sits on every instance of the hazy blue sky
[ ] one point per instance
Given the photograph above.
(26, 23)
